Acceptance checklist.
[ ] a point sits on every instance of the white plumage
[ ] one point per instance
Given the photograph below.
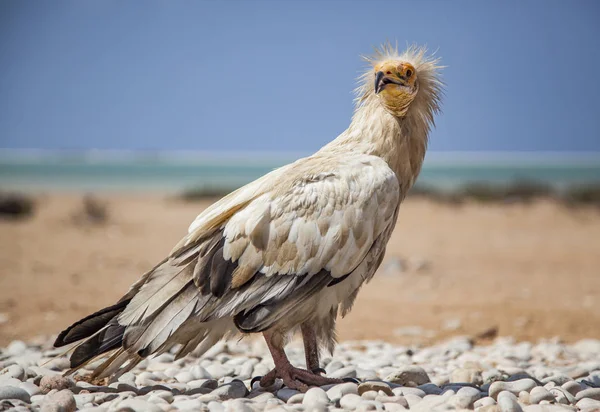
(289, 250)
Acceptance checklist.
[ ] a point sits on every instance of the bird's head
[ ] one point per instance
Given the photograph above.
(396, 85)
(402, 82)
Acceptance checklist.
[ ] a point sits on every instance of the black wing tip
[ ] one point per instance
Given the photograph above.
(89, 325)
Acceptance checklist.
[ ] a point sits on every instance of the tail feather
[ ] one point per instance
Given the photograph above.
(106, 340)
(89, 325)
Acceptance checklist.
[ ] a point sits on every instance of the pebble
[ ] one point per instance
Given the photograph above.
(13, 371)
(315, 397)
(338, 391)
(591, 393)
(61, 401)
(138, 405)
(409, 376)
(376, 387)
(48, 383)
(547, 376)
(232, 390)
(513, 387)
(466, 375)
(11, 392)
(507, 402)
(350, 401)
(539, 394)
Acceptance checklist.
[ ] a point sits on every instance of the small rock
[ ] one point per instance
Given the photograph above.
(232, 390)
(218, 371)
(350, 401)
(188, 405)
(466, 375)
(315, 397)
(296, 399)
(513, 387)
(430, 389)
(347, 372)
(199, 372)
(487, 401)
(48, 383)
(138, 405)
(410, 376)
(16, 348)
(286, 393)
(507, 402)
(184, 377)
(590, 405)
(591, 393)
(11, 392)
(375, 386)
(539, 394)
(338, 391)
(61, 401)
(30, 388)
(13, 371)
(573, 387)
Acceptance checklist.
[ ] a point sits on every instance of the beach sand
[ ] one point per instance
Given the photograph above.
(528, 271)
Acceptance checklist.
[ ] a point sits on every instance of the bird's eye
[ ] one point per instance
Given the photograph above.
(388, 72)
(408, 73)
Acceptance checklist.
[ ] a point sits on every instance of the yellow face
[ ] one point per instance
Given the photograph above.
(396, 85)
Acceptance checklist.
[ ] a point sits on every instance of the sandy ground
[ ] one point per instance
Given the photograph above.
(529, 271)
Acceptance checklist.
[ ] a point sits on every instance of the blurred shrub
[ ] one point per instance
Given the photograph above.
(589, 195)
(16, 206)
(92, 211)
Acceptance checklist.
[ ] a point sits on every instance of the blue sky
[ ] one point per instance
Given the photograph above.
(277, 76)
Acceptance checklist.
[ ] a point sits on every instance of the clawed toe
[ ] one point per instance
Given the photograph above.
(319, 371)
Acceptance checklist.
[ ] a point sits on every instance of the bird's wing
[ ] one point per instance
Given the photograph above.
(262, 251)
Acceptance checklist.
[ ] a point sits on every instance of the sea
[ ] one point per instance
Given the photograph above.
(176, 172)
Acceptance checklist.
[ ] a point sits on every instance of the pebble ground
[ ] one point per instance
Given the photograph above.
(454, 375)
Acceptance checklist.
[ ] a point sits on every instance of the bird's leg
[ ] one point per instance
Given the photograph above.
(293, 378)
(311, 349)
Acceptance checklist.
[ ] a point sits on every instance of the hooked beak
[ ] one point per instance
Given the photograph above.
(381, 81)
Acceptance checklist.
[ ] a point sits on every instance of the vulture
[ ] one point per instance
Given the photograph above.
(288, 252)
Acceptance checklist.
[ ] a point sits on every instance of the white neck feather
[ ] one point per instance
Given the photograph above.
(401, 142)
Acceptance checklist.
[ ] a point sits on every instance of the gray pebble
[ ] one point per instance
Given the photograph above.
(232, 390)
(430, 389)
(285, 393)
(30, 388)
(12, 392)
